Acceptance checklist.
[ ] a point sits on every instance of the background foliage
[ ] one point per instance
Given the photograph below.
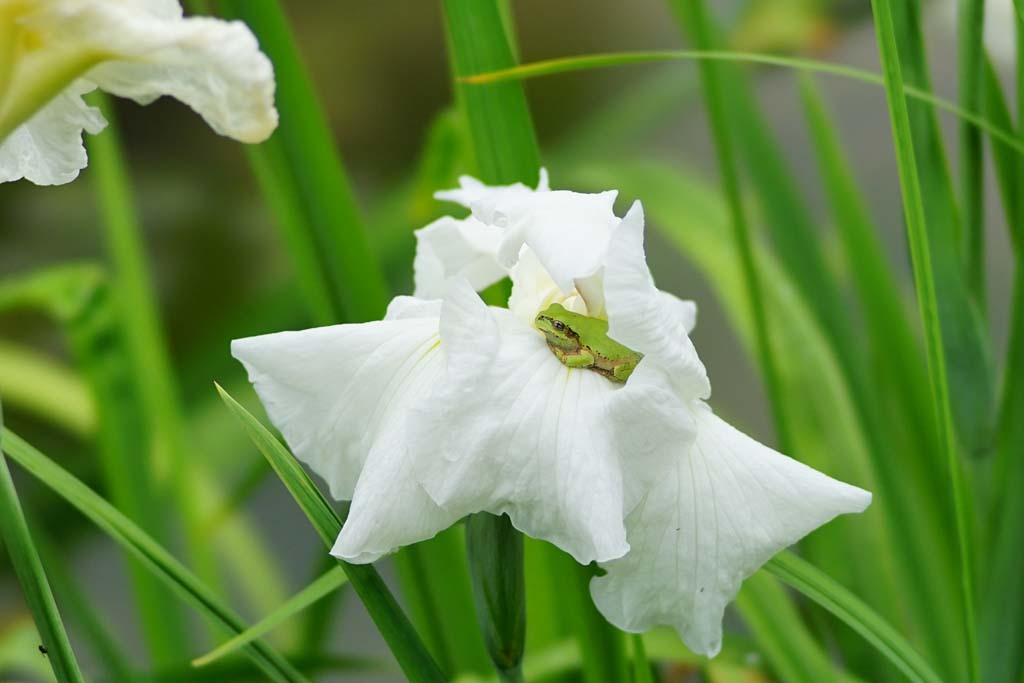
(119, 294)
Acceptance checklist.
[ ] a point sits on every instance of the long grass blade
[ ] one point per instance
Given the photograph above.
(334, 579)
(641, 667)
(305, 161)
(392, 623)
(920, 250)
(824, 590)
(504, 143)
(34, 584)
(142, 546)
(966, 342)
(694, 14)
(80, 610)
(970, 53)
(561, 65)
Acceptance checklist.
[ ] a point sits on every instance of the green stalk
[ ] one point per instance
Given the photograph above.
(970, 23)
(394, 626)
(165, 473)
(924, 280)
(34, 585)
(503, 139)
(144, 548)
(694, 14)
(303, 158)
(641, 667)
(495, 553)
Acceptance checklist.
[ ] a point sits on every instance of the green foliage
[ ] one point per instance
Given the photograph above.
(334, 579)
(310, 189)
(141, 546)
(405, 645)
(34, 584)
(924, 278)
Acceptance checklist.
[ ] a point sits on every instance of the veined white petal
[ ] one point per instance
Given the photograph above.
(512, 430)
(47, 149)
(720, 511)
(683, 310)
(214, 66)
(405, 307)
(484, 199)
(568, 231)
(451, 248)
(335, 392)
(644, 318)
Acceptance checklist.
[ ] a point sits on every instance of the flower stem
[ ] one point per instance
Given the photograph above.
(495, 551)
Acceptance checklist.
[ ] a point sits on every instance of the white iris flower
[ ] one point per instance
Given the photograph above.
(449, 407)
(54, 51)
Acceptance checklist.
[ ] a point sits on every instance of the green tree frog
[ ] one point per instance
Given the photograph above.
(580, 341)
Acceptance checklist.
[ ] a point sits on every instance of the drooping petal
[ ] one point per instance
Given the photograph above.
(334, 392)
(724, 507)
(47, 149)
(451, 248)
(216, 68)
(512, 430)
(644, 318)
(213, 66)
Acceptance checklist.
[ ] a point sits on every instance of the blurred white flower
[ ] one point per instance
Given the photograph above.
(54, 51)
(449, 407)
(1000, 28)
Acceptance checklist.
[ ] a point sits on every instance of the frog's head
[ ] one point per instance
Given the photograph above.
(552, 321)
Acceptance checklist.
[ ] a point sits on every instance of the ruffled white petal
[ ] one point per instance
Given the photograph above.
(568, 231)
(646, 319)
(48, 149)
(335, 392)
(512, 430)
(451, 248)
(484, 199)
(213, 66)
(724, 507)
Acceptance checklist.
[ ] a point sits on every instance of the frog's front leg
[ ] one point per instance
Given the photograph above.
(621, 372)
(582, 358)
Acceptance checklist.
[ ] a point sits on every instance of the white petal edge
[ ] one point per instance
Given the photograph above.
(213, 66)
(644, 318)
(720, 512)
(471, 192)
(47, 149)
(450, 248)
(568, 231)
(334, 391)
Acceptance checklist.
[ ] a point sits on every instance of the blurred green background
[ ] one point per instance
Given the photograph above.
(382, 76)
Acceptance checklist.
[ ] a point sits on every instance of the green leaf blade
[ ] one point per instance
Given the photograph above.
(29, 569)
(145, 549)
(394, 626)
(329, 582)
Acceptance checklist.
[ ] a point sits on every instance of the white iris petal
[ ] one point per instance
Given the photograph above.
(450, 248)
(140, 49)
(722, 506)
(47, 149)
(512, 430)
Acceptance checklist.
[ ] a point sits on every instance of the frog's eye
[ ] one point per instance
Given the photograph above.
(558, 325)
